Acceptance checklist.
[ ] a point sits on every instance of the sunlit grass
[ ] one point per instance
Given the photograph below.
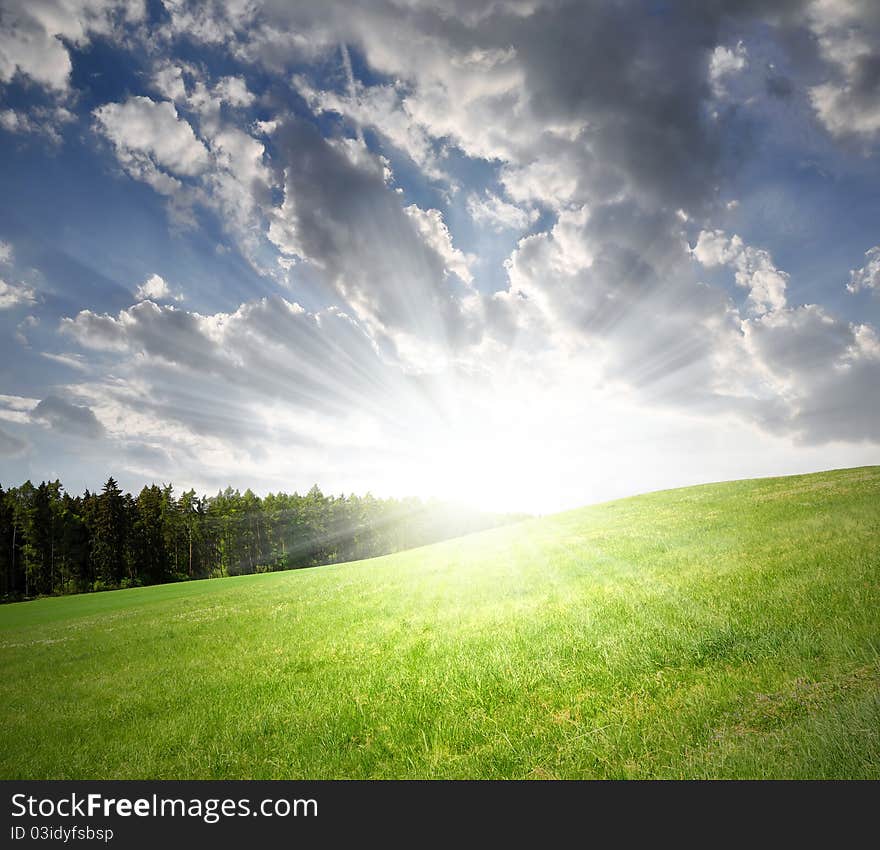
(725, 630)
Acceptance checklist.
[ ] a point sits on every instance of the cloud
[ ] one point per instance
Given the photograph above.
(39, 120)
(389, 265)
(383, 108)
(14, 408)
(234, 91)
(188, 85)
(827, 369)
(240, 186)
(848, 35)
(724, 63)
(511, 85)
(155, 288)
(11, 446)
(70, 419)
(6, 252)
(613, 285)
(174, 335)
(214, 22)
(339, 148)
(223, 168)
(14, 295)
(268, 380)
(24, 326)
(754, 267)
(844, 112)
(636, 313)
(496, 213)
(150, 135)
(271, 347)
(436, 235)
(168, 80)
(868, 276)
(73, 360)
(222, 171)
(35, 35)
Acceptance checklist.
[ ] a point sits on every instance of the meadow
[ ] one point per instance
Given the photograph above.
(726, 630)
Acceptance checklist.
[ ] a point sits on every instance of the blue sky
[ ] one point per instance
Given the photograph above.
(533, 254)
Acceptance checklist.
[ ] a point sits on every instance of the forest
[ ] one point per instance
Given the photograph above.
(52, 542)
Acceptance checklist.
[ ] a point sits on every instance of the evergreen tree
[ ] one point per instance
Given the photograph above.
(52, 542)
(108, 536)
(7, 588)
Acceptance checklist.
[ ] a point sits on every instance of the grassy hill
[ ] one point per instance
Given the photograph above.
(729, 630)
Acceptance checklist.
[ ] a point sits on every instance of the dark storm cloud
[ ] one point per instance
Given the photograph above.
(70, 419)
(639, 80)
(339, 214)
(635, 77)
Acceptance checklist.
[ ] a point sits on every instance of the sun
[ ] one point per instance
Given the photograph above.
(490, 455)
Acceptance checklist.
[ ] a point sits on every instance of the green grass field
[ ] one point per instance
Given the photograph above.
(729, 630)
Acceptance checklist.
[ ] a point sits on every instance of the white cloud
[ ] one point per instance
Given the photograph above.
(868, 276)
(35, 34)
(169, 82)
(23, 327)
(867, 342)
(491, 210)
(100, 332)
(211, 23)
(634, 312)
(269, 375)
(6, 252)
(552, 181)
(843, 112)
(146, 132)
(234, 91)
(436, 234)
(266, 128)
(725, 62)
(308, 346)
(9, 120)
(227, 166)
(239, 184)
(14, 295)
(155, 288)
(71, 359)
(754, 268)
(40, 120)
(385, 109)
(188, 85)
(848, 35)
(16, 408)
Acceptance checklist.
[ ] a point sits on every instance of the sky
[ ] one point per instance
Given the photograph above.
(526, 254)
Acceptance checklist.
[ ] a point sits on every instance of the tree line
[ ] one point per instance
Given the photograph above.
(52, 542)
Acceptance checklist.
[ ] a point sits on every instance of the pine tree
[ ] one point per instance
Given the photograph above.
(108, 556)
